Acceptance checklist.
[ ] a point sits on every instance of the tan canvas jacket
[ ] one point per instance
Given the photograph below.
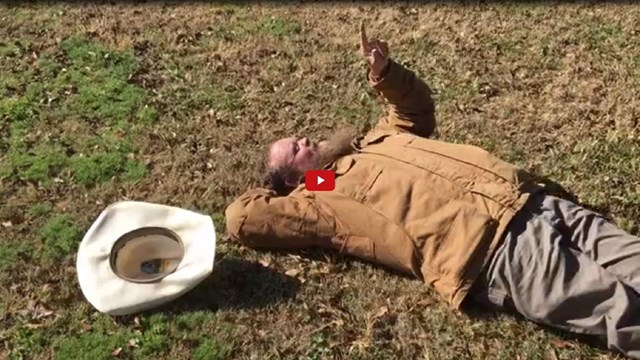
(424, 207)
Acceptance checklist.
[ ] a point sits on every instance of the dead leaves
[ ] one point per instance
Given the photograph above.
(298, 267)
(266, 262)
(293, 272)
(322, 269)
(42, 313)
(133, 343)
(38, 314)
(381, 312)
(85, 327)
(375, 324)
(337, 318)
(136, 322)
(47, 288)
(32, 326)
(561, 344)
(313, 271)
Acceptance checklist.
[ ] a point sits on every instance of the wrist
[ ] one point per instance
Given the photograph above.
(380, 74)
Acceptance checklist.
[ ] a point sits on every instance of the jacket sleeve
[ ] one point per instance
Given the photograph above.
(411, 107)
(260, 219)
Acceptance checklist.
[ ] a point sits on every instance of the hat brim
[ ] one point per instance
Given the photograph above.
(111, 294)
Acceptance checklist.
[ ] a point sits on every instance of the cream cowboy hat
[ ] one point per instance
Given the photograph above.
(139, 255)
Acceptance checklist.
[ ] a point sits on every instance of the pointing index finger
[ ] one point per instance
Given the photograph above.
(364, 43)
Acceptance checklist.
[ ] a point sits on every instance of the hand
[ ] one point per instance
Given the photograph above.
(376, 52)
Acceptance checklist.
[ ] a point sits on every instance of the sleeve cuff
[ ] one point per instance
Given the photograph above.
(387, 79)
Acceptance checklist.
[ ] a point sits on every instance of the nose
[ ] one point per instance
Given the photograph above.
(304, 141)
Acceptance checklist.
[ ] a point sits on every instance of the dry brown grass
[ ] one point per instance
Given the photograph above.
(552, 89)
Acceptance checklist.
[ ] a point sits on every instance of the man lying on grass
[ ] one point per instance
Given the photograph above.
(466, 223)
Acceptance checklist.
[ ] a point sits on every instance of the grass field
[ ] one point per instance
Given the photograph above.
(172, 104)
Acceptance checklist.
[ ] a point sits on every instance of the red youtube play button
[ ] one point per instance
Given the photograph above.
(320, 180)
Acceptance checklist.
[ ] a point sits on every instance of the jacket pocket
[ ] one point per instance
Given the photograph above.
(460, 242)
(353, 178)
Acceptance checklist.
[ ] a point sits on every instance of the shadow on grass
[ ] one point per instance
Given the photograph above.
(235, 284)
(477, 311)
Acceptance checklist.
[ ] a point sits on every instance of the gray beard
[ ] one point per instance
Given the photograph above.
(338, 145)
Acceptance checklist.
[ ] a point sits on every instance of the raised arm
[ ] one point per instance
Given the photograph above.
(411, 106)
(259, 219)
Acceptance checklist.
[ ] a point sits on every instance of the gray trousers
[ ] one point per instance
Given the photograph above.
(564, 266)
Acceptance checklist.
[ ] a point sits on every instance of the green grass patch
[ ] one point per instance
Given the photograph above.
(41, 164)
(101, 167)
(611, 164)
(359, 116)
(101, 81)
(40, 209)
(279, 27)
(82, 82)
(25, 341)
(423, 46)
(319, 348)
(599, 35)
(14, 252)
(510, 47)
(219, 222)
(635, 68)
(107, 340)
(10, 50)
(155, 338)
(614, 155)
(193, 320)
(347, 112)
(152, 341)
(233, 30)
(60, 238)
(218, 98)
(90, 346)
(147, 115)
(209, 349)
(18, 109)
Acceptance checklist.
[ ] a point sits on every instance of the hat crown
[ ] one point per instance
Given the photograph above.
(146, 254)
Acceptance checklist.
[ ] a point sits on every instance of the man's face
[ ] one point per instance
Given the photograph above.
(298, 154)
